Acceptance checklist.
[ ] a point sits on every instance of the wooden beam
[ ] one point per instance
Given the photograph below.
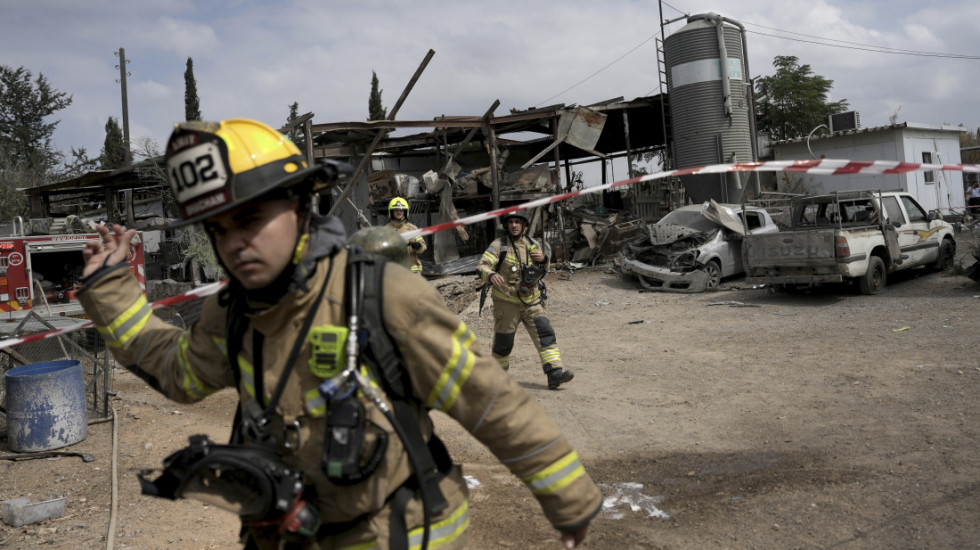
(391, 116)
(466, 141)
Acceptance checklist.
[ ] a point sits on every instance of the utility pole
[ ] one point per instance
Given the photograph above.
(125, 104)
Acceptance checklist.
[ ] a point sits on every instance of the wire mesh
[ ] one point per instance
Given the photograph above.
(85, 346)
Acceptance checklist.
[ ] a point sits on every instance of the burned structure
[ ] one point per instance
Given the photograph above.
(470, 164)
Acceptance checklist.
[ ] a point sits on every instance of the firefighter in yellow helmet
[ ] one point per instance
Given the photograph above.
(398, 220)
(333, 443)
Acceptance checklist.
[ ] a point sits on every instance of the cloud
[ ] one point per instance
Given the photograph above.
(255, 58)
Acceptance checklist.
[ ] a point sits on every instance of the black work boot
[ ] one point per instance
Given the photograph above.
(558, 376)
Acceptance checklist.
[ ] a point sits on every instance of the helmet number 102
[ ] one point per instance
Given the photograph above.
(196, 171)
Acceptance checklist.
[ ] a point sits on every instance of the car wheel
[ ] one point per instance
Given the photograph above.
(945, 258)
(875, 279)
(713, 270)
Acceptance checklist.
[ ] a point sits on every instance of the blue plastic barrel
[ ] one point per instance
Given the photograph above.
(45, 406)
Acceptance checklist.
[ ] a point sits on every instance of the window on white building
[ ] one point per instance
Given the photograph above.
(930, 176)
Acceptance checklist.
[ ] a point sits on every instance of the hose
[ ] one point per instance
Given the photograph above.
(114, 504)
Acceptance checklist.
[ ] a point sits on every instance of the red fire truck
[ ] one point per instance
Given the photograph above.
(42, 272)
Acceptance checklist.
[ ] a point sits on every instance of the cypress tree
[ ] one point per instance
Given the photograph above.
(113, 149)
(375, 110)
(192, 103)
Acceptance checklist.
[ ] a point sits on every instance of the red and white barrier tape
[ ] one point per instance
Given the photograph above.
(199, 292)
(823, 167)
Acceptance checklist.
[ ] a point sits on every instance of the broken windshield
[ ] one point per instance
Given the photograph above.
(688, 218)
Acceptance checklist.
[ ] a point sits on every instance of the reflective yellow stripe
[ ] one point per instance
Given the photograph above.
(128, 324)
(315, 404)
(417, 268)
(530, 298)
(221, 343)
(503, 361)
(557, 475)
(192, 385)
(549, 355)
(445, 531)
(456, 371)
(300, 248)
(248, 375)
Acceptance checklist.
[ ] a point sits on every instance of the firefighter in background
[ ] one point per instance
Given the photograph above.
(292, 280)
(514, 264)
(398, 220)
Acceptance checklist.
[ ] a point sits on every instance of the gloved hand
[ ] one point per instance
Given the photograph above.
(415, 245)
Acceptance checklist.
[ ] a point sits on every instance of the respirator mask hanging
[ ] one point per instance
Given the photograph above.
(248, 480)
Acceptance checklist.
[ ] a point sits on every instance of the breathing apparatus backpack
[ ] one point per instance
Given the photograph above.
(273, 492)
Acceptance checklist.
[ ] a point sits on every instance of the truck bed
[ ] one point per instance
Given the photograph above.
(791, 257)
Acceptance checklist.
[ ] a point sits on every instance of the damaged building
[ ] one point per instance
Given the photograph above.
(468, 165)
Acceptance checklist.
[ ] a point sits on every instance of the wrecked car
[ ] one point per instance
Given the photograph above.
(694, 247)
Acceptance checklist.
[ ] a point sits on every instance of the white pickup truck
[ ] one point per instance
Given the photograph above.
(858, 235)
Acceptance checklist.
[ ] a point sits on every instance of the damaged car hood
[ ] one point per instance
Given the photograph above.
(723, 216)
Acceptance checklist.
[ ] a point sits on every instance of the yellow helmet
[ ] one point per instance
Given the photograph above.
(383, 241)
(216, 166)
(397, 203)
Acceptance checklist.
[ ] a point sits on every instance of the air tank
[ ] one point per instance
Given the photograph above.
(710, 111)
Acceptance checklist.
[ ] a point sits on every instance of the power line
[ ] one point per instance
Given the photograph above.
(876, 47)
(673, 8)
(818, 40)
(580, 82)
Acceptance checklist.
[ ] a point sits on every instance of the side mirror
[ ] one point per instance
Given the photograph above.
(933, 215)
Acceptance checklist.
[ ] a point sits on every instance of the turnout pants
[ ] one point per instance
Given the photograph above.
(507, 316)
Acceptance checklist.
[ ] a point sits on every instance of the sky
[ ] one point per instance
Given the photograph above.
(253, 58)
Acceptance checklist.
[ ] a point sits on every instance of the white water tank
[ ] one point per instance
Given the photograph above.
(711, 116)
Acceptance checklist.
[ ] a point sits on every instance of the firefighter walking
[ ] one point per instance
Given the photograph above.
(398, 220)
(514, 265)
(337, 357)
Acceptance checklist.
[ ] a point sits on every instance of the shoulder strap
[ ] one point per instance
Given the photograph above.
(502, 255)
(236, 326)
(381, 354)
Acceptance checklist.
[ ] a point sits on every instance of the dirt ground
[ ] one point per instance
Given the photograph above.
(733, 419)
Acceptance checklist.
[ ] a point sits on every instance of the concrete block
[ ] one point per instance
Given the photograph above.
(19, 511)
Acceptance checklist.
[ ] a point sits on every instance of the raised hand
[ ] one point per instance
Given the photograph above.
(115, 250)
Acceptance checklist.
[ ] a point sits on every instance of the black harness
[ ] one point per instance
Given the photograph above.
(431, 461)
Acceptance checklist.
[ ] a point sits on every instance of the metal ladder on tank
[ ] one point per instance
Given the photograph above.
(673, 185)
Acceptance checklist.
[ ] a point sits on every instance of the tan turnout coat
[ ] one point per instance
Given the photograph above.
(448, 371)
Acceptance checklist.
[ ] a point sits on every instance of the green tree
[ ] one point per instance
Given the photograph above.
(27, 158)
(793, 101)
(192, 103)
(971, 156)
(375, 110)
(970, 139)
(78, 164)
(295, 134)
(113, 149)
(25, 134)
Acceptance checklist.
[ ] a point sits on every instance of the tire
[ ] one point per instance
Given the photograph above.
(945, 258)
(873, 282)
(713, 270)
